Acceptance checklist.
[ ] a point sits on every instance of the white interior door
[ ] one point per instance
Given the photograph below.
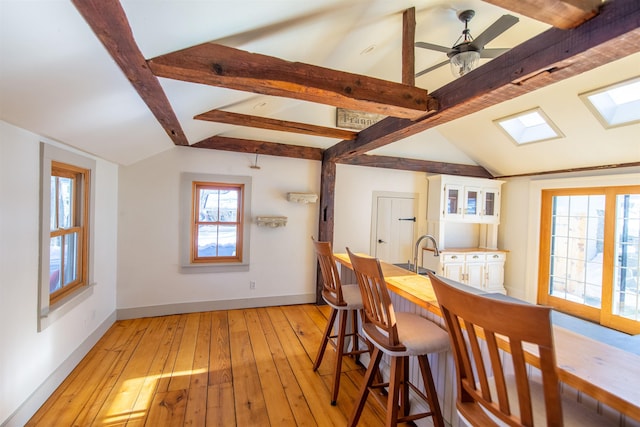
(395, 220)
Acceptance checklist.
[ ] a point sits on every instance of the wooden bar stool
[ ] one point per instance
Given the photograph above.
(345, 301)
(491, 390)
(399, 336)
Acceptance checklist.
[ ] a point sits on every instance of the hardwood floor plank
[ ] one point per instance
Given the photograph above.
(182, 370)
(140, 409)
(248, 367)
(70, 397)
(310, 334)
(318, 314)
(297, 402)
(168, 367)
(249, 400)
(167, 409)
(197, 402)
(220, 350)
(120, 402)
(317, 395)
(220, 406)
(87, 416)
(274, 394)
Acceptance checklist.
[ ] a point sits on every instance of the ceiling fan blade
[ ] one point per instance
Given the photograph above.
(492, 53)
(500, 26)
(433, 47)
(423, 72)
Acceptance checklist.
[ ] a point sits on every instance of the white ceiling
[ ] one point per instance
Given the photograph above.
(57, 80)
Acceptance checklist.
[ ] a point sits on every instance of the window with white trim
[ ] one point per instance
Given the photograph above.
(66, 210)
(215, 222)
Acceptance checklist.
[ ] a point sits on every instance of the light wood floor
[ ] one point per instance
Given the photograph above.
(247, 367)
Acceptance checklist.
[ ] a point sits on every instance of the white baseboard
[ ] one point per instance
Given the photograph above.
(29, 407)
(194, 307)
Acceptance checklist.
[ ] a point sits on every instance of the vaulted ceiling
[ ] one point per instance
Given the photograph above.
(224, 74)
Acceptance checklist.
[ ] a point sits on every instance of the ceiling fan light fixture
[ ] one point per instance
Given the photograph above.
(463, 62)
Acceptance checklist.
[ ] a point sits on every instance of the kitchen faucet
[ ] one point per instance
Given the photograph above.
(436, 252)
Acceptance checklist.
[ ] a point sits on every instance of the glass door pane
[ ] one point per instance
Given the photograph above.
(626, 261)
(577, 232)
(471, 207)
(489, 203)
(453, 199)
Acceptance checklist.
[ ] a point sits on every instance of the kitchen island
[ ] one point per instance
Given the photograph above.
(599, 375)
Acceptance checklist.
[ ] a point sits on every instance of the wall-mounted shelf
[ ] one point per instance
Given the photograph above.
(302, 197)
(271, 221)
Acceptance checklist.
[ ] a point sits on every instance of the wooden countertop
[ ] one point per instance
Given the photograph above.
(608, 374)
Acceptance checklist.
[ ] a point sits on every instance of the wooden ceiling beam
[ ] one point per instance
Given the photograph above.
(109, 22)
(217, 65)
(417, 165)
(311, 153)
(408, 48)
(237, 119)
(259, 147)
(550, 57)
(563, 14)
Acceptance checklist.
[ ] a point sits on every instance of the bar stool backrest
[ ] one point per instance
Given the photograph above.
(331, 285)
(379, 317)
(478, 326)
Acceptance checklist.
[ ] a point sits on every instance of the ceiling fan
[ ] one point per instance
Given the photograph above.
(465, 55)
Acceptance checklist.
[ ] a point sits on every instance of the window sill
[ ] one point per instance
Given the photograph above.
(612, 337)
(59, 309)
(213, 268)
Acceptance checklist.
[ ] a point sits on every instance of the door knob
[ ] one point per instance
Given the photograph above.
(381, 241)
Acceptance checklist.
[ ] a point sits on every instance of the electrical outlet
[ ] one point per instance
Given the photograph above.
(252, 284)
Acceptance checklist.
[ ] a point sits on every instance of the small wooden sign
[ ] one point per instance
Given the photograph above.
(358, 120)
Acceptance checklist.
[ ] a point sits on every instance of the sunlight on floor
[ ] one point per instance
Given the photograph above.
(133, 399)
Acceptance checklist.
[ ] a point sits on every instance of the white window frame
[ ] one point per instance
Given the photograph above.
(186, 203)
(48, 313)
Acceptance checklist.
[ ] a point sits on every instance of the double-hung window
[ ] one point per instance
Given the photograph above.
(216, 235)
(68, 215)
(66, 212)
(215, 213)
(589, 254)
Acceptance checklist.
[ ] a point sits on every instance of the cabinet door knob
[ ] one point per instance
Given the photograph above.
(454, 257)
(381, 241)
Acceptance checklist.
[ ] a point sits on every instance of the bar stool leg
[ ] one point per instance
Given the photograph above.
(325, 339)
(395, 376)
(364, 388)
(354, 338)
(337, 371)
(430, 388)
(405, 406)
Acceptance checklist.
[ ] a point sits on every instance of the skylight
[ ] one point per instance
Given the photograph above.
(615, 105)
(529, 126)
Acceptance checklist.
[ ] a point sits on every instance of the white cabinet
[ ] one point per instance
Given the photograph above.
(494, 276)
(480, 269)
(454, 198)
(452, 266)
(463, 214)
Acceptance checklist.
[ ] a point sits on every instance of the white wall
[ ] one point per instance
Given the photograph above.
(354, 197)
(282, 260)
(32, 363)
(520, 212)
(520, 224)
